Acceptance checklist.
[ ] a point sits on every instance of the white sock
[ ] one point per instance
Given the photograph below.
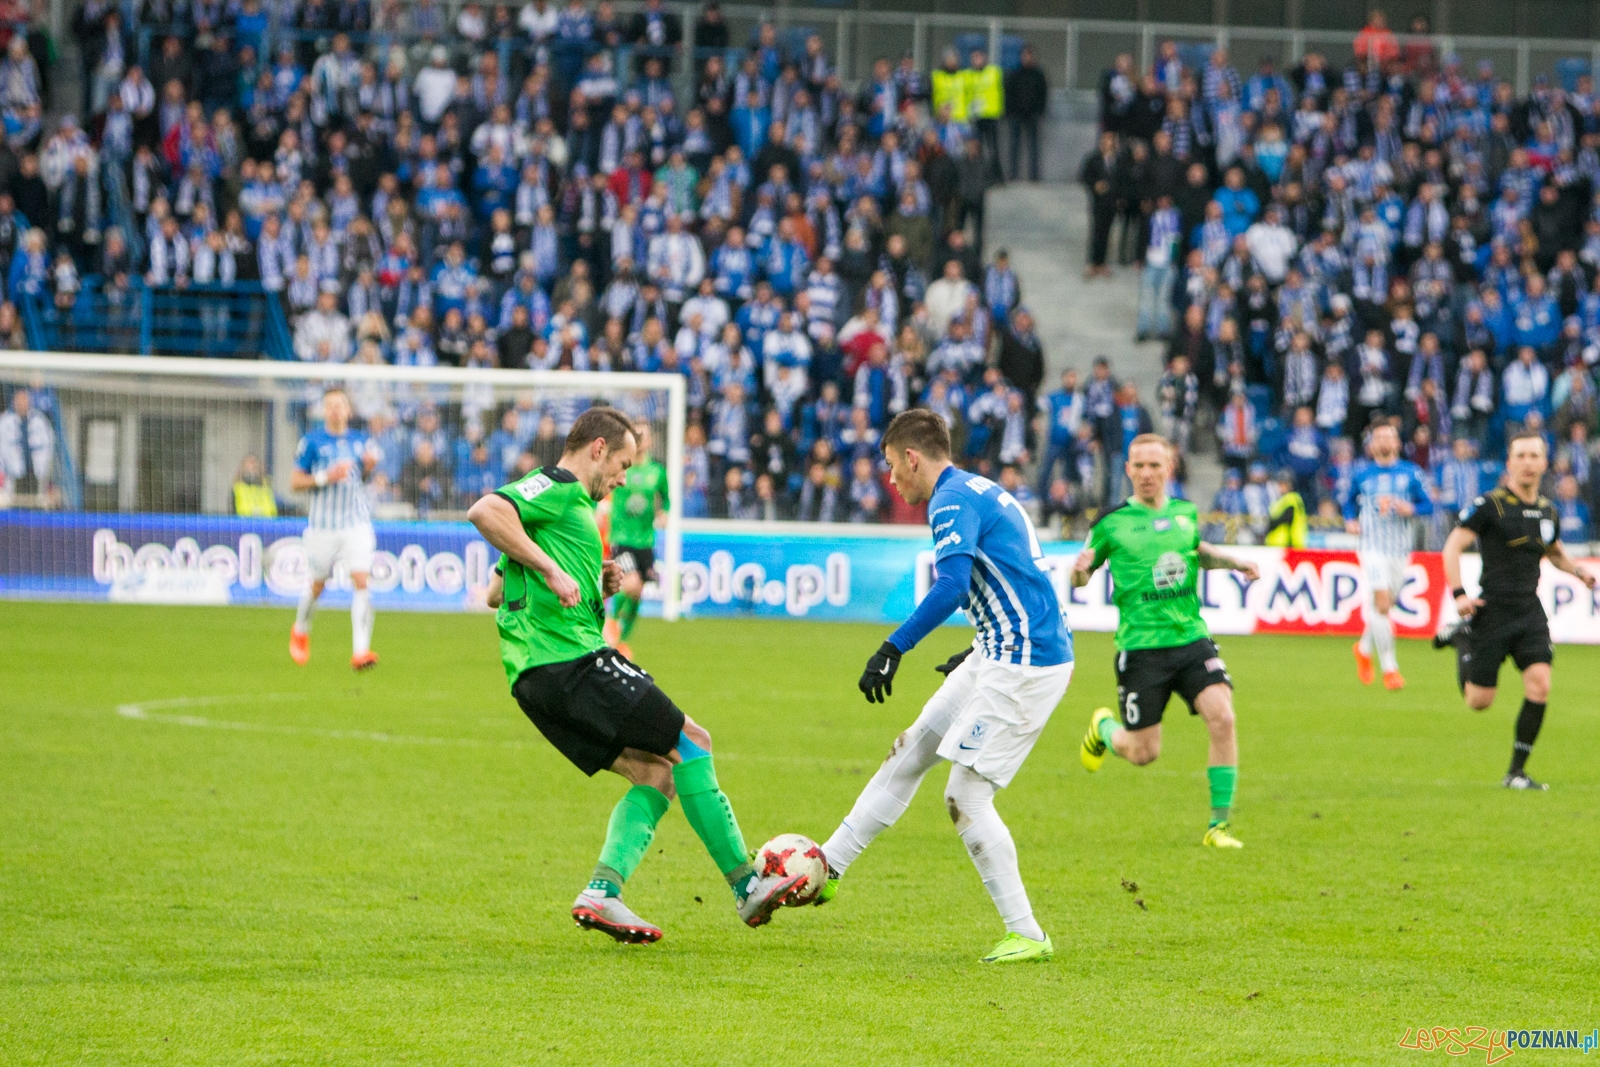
(885, 798)
(360, 621)
(302, 613)
(1366, 634)
(1382, 631)
(971, 800)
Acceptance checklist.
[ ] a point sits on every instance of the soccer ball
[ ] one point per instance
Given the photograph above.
(789, 854)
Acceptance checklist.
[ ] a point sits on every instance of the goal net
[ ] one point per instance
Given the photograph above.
(150, 479)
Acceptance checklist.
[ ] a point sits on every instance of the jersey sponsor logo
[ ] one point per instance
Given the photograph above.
(942, 527)
(532, 487)
(953, 539)
(1162, 525)
(1547, 531)
(1169, 572)
(941, 511)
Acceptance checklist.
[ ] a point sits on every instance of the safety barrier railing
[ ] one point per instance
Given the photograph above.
(241, 320)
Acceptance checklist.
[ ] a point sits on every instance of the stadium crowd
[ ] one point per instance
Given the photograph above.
(1403, 239)
(523, 187)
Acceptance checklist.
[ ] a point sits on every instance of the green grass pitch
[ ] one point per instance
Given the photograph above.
(280, 865)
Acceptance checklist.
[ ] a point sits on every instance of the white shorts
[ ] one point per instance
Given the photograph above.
(1384, 572)
(353, 546)
(989, 714)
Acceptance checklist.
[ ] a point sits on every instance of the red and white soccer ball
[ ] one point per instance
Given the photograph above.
(789, 854)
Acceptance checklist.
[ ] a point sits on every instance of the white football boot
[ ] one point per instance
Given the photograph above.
(767, 894)
(609, 915)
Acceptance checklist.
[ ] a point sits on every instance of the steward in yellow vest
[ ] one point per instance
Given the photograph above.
(252, 493)
(949, 86)
(1287, 528)
(986, 94)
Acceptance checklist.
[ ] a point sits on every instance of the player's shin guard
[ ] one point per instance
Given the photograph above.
(885, 798)
(1223, 780)
(1529, 720)
(628, 836)
(361, 621)
(970, 798)
(710, 815)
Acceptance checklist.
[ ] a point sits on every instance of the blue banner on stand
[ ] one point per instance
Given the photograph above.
(439, 566)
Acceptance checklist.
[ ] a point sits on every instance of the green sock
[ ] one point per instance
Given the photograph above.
(1107, 728)
(628, 837)
(627, 613)
(710, 814)
(1222, 780)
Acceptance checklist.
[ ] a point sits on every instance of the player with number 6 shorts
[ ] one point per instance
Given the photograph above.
(997, 695)
(332, 464)
(1152, 544)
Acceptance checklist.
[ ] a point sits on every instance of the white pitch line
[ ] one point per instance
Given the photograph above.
(141, 711)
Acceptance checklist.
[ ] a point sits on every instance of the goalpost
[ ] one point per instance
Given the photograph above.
(100, 451)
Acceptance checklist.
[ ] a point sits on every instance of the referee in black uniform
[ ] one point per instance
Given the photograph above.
(1515, 528)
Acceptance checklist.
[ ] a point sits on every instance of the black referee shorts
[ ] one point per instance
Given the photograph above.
(1147, 678)
(1518, 630)
(593, 707)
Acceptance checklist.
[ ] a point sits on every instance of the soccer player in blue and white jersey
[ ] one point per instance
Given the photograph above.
(332, 464)
(1386, 497)
(994, 704)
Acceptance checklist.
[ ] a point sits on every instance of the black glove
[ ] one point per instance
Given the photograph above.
(954, 661)
(877, 680)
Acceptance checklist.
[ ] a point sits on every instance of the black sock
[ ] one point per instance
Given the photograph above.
(1528, 723)
(1463, 659)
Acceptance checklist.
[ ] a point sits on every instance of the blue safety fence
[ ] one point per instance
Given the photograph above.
(241, 321)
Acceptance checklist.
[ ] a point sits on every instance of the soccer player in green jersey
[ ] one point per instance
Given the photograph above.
(1152, 543)
(600, 711)
(635, 506)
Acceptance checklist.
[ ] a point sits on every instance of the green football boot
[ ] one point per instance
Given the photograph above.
(829, 890)
(1014, 948)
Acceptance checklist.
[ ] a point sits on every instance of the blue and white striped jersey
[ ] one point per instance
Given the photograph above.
(1373, 491)
(1010, 600)
(337, 505)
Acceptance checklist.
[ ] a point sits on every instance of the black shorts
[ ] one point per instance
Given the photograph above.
(1520, 631)
(593, 707)
(1147, 678)
(640, 561)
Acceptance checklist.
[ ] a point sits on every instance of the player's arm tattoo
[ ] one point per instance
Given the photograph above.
(1212, 560)
(1556, 553)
